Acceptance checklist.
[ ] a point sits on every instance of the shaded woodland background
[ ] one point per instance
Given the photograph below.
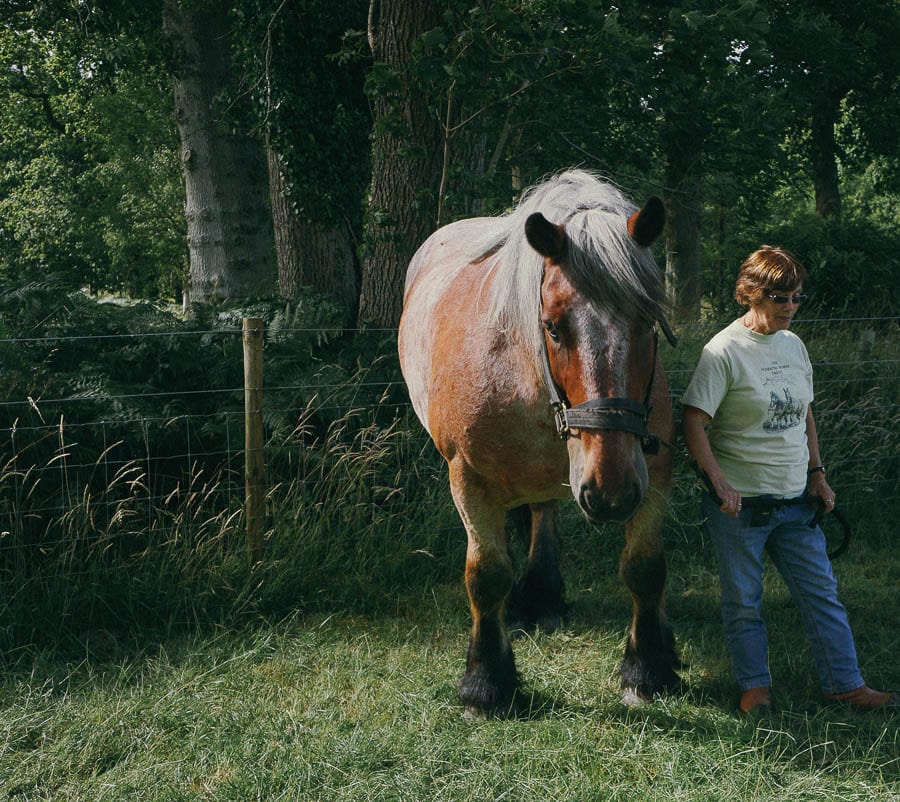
(168, 167)
(171, 150)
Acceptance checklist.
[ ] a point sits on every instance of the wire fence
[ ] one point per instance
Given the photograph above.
(856, 365)
(108, 465)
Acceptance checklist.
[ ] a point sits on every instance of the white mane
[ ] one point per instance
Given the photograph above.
(603, 262)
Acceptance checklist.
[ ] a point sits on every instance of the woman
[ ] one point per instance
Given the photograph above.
(753, 389)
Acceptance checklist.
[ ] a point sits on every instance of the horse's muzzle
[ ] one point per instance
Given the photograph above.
(601, 506)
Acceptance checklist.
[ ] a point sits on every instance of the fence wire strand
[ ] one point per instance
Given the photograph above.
(53, 462)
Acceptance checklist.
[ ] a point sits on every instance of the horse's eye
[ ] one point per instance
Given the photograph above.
(552, 330)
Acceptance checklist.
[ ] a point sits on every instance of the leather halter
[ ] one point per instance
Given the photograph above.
(615, 414)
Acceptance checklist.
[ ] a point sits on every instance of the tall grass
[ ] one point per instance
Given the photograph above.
(365, 516)
(359, 512)
(352, 522)
(145, 659)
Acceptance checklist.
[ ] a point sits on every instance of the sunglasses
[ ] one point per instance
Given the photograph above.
(799, 298)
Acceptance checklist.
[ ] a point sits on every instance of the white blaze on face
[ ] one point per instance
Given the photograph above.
(609, 463)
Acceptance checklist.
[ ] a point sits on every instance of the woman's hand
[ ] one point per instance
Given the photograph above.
(693, 428)
(820, 488)
(731, 499)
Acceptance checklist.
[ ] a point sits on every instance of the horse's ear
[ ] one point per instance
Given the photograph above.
(546, 238)
(646, 225)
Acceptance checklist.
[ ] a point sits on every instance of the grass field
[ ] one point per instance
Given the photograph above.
(362, 707)
(141, 658)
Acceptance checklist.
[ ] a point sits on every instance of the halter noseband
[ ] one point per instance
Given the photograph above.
(615, 414)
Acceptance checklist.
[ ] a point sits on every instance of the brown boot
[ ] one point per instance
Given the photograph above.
(864, 698)
(756, 701)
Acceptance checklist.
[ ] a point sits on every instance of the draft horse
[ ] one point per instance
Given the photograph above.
(528, 344)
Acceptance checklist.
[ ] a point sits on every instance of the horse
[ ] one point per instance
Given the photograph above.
(528, 344)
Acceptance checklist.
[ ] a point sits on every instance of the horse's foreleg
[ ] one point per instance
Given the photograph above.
(490, 680)
(537, 598)
(650, 661)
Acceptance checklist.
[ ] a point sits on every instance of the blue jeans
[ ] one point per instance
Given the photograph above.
(798, 551)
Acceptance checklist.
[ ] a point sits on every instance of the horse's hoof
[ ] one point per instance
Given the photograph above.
(475, 714)
(649, 678)
(490, 693)
(631, 698)
(550, 622)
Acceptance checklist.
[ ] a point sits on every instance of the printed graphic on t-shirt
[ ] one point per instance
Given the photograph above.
(784, 411)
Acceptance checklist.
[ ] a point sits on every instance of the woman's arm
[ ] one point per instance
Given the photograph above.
(693, 427)
(817, 484)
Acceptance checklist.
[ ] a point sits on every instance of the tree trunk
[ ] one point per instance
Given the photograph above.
(823, 155)
(310, 254)
(406, 160)
(683, 198)
(228, 221)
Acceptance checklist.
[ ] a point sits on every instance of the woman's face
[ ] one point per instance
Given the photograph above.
(776, 310)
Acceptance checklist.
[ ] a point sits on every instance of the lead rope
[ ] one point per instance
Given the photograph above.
(768, 504)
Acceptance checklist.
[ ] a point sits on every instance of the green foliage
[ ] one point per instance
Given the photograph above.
(90, 188)
(549, 85)
(305, 70)
(853, 264)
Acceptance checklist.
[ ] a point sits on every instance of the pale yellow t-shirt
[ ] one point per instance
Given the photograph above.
(756, 388)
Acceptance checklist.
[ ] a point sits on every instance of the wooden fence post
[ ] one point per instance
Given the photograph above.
(254, 453)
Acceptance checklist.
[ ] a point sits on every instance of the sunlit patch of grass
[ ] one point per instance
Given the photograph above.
(337, 707)
(147, 660)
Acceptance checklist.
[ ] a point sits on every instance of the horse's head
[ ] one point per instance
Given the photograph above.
(600, 352)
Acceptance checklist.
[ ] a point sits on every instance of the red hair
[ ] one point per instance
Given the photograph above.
(767, 269)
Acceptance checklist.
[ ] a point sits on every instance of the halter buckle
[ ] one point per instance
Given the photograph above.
(562, 420)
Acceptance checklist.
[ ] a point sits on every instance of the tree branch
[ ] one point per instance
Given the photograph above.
(370, 28)
(54, 123)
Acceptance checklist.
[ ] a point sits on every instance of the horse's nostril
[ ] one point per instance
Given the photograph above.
(596, 503)
(592, 499)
